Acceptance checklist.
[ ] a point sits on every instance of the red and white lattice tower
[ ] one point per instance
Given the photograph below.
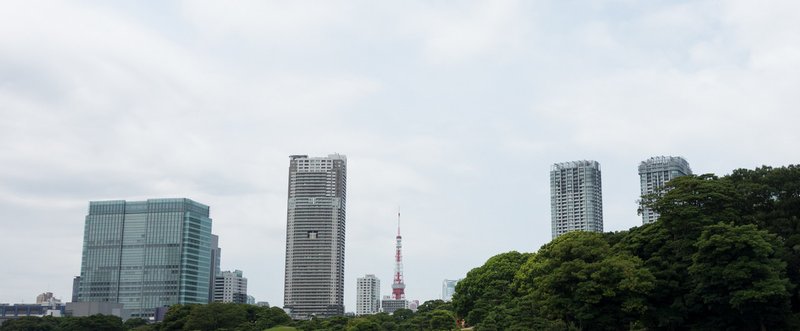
(398, 287)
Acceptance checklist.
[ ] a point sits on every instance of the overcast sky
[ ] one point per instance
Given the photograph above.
(452, 111)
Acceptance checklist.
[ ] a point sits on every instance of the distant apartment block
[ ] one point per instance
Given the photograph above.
(47, 298)
(576, 199)
(449, 288)
(146, 254)
(315, 236)
(654, 173)
(389, 305)
(368, 297)
(230, 287)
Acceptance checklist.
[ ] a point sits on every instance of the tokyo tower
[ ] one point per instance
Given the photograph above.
(398, 287)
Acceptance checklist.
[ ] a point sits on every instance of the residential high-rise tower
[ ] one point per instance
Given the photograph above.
(576, 199)
(654, 173)
(368, 296)
(146, 254)
(315, 236)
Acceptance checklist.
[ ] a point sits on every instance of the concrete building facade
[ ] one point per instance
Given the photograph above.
(146, 254)
(230, 287)
(315, 236)
(368, 295)
(389, 305)
(576, 198)
(216, 271)
(654, 173)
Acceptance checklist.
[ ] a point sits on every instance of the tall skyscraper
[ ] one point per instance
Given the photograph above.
(230, 287)
(654, 173)
(315, 235)
(146, 254)
(576, 199)
(368, 296)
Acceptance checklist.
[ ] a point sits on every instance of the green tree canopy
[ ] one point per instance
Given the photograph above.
(487, 287)
(577, 278)
(738, 280)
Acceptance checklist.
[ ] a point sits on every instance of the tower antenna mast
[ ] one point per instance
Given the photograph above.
(398, 287)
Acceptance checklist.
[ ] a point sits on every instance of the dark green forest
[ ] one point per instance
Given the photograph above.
(432, 315)
(724, 255)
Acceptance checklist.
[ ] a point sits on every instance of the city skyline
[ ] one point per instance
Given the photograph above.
(452, 111)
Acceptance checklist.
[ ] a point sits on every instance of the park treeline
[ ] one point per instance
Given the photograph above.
(724, 255)
(432, 315)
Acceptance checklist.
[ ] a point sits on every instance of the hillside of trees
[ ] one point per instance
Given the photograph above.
(724, 255)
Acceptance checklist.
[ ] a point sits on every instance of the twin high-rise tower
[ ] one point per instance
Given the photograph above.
(315, 236)
(576, 201)
(576, 197)
(654, 173)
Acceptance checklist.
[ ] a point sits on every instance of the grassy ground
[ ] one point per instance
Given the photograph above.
(281, 328)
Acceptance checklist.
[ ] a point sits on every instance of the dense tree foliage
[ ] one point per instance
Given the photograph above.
(214, 316)
(579, 280)
(487, 289)
(431, 315)
(96, 322)
(724, 255)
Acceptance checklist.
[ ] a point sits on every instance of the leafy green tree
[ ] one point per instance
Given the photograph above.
(687, 205)
(441, 320)
(28, 323)
(362, 324)
(216, 316)
(389, 326)
(487, 287)
(94, 322)
(738, 279)
(335, 323)
(176, 317)
(271, 317)
(134, 323)
(403, 314)
(431, 305)
(576, 278)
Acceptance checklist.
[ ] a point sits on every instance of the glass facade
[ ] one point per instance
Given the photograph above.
(146, 254)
